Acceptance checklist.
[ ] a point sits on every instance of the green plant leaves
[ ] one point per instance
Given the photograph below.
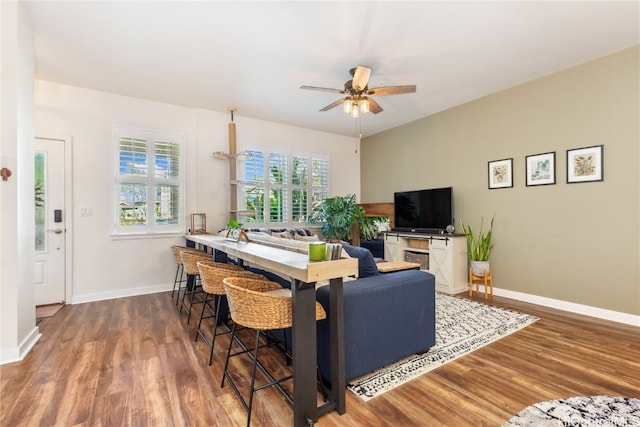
(339, 214)
(479, 245)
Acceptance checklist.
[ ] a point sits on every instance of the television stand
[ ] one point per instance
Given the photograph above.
(443, 255)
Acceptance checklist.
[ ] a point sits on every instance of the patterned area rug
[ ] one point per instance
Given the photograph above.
(462, 326)
(601, 411)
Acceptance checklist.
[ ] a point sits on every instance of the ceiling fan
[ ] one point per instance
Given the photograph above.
(358, 93)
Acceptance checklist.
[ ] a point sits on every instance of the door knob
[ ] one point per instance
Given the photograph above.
(57, 230)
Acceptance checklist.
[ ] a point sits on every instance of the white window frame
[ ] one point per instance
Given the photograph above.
(289, 187)
(150, 229)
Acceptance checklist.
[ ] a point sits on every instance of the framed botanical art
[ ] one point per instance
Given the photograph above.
(585, 164)
(501, 173)
(541, 169)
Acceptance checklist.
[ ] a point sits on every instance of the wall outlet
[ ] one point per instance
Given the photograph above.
(86, 212)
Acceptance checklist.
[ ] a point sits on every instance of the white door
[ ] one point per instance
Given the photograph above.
(50, 221)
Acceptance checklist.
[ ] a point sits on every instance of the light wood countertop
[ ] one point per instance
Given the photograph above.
(284, 262)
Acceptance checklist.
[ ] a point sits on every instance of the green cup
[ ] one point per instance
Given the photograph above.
(317, 251)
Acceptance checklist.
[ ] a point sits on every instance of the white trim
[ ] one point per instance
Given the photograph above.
(150, 181)
(121, 293)
(19, 353)
(601, 313)
(150, 235)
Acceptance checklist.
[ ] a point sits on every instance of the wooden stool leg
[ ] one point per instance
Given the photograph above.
(485, 284)
(491, 282)
(470, 282)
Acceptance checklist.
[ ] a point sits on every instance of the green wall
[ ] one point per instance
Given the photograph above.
(571, 242)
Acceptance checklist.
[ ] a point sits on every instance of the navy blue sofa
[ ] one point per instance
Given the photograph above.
(387, 317)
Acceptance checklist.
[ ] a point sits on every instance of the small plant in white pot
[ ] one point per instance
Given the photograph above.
(479, 247)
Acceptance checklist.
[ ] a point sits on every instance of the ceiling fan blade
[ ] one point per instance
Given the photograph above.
(333, 104)
(361, 77)
(323, 89)
(374, 107)
(391, 90)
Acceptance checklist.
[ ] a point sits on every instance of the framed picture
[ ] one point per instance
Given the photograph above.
(541, 169)
(198, 223)
(501, 173)
(585, 164)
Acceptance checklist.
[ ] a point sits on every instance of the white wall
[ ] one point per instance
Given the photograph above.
(17, 292)
(212, 189)
(104, 267)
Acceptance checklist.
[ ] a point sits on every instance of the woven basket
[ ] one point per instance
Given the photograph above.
(251, 306)
(190, 260)
(212, 274)
(422, 259)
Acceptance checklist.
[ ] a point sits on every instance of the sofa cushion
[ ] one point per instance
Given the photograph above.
(281, 234)
(304, 238)
(366, 264)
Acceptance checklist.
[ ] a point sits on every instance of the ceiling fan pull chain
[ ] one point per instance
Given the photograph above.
(359, 133)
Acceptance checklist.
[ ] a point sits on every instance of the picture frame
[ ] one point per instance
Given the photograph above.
(540, 169)
(585, 164)
(501, 173)
(198, 223)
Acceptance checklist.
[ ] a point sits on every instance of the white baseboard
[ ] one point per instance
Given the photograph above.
(18, 353)
(120, 293)
(601, 313)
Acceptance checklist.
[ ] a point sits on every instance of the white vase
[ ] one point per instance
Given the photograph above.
(478, 267)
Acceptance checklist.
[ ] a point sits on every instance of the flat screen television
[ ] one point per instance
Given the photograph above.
(423, 211)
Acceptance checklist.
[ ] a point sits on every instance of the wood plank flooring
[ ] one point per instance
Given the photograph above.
(133, 362)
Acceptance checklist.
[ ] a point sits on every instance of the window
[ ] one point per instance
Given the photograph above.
(149, 181)
(281, 188)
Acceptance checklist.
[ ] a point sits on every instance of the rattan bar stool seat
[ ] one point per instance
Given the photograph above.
(180, 279)
(258, 304)
(190, 264)
(211, 276)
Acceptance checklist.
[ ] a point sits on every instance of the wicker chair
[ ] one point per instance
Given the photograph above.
(211, 276)
(260, 305)
(180, 281)
(193, 288)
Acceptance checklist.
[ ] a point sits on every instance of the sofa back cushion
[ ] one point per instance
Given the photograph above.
(366, 264)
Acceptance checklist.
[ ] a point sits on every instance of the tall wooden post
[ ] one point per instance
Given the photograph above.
(233, 193)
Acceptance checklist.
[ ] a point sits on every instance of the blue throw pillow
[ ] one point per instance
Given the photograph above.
(366, 264)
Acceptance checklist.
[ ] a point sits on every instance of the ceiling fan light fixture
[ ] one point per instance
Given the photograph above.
(357, 102)
(347, 106)
(363, 105)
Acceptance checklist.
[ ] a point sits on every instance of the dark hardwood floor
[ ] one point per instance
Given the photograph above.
(133, 361)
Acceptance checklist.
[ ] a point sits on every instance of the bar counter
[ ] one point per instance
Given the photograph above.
(303, 275)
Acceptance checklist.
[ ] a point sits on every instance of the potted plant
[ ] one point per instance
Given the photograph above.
(479, 247)
(339, 214)
(369, 227)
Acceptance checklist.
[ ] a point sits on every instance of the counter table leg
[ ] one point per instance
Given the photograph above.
(304, 354)
(338, 383)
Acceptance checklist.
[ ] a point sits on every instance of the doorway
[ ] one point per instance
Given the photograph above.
(52, 220)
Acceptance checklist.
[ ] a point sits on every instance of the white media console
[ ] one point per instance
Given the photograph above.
(443, 255)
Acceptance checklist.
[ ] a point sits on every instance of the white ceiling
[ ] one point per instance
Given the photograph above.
(254, 56)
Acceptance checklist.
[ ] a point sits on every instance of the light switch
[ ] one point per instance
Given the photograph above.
(86, 212)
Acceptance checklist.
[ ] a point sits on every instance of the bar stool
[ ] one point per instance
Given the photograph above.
(263, 306)
(190, 265)
(486, 278)
(211, 276)
(180, 274)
